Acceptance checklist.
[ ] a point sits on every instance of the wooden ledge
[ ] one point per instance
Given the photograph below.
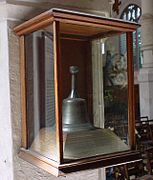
(83, 164)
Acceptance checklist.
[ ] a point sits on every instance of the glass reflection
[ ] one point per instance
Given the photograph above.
(115, 88)
(40, 92)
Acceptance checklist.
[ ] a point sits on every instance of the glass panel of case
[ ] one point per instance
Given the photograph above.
(40, 92)
(95, 105)
(116, 88)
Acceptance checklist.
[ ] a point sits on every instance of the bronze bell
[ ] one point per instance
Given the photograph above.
(81, 138)
(74, 109)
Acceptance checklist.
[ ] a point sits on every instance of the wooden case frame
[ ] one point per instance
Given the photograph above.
(108, 27)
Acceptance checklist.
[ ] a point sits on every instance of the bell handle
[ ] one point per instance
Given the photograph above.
(73, 70)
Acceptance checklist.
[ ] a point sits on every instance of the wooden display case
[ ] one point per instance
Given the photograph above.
(49, 44)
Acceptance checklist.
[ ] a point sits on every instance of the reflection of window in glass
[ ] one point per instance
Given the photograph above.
(132, 13)
(115, 87)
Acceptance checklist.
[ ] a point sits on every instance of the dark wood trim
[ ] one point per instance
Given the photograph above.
(24, 141)
(42, 95)
(32, 21)
(48, 17)
(34, 25)
(101, 161)
(41, 162)
(131, 103)
(85, 17)
(74, 37)
(83, 164)
(89, 79)
(58, 91)
(104, 35)
(92, 24)
(49, 161)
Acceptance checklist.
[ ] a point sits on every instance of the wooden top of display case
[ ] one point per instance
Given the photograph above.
(78, 23)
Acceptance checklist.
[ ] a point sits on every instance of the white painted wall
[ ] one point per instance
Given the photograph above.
(6, 153)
